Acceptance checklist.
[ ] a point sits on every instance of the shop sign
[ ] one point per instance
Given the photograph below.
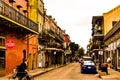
(10, 44)
(100, 52)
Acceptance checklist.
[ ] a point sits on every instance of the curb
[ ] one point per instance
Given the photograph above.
(40, 73)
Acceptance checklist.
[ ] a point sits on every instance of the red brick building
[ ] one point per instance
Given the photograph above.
(67, 39)
(14, 30)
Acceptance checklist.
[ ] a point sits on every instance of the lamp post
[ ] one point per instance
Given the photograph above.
(54, 57)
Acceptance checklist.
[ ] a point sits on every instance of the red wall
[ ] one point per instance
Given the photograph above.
(14, 55)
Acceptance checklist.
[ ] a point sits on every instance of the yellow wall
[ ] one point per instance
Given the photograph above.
(35, 13)
(33, 39)
(40, 15)
(112, 15)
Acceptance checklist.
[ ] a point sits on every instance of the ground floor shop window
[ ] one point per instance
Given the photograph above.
(2, 59)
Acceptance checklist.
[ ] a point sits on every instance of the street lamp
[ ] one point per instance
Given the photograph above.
(54, 57)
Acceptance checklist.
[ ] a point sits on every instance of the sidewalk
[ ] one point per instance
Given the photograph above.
(112, 75)
(35, 72)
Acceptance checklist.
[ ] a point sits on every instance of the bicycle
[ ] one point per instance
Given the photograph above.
(14, 76)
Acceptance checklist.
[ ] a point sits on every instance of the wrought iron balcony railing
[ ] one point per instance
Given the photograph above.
(14, 15)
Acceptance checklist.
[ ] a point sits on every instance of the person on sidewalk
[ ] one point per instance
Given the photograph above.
(109, 62)
(104, 68)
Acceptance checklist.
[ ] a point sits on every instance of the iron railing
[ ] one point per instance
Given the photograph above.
(13, 14)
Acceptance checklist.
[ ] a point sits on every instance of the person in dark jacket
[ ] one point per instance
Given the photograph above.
(22, 70)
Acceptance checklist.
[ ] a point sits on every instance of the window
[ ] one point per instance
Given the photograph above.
(113, 23)
(2, 59)
(2, 39)
(2, 42)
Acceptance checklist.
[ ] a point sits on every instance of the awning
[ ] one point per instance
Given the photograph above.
(55, 49)
(97, 49)
(68, 52)
(118, 46)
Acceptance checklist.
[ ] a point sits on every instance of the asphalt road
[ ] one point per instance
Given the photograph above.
(68, 72)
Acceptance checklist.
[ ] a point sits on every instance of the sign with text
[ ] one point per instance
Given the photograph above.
(10, 44)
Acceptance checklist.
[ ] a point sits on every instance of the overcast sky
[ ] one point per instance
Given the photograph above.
(75, 16)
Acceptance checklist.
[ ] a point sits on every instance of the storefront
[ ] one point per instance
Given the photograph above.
(53, 56)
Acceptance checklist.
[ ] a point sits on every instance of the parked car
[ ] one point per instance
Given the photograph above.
(87, 58)
(88, 66)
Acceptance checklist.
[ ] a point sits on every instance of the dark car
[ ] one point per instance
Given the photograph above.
(85, 58)
(88, 67)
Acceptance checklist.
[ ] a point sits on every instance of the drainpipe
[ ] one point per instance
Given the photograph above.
(27, 35)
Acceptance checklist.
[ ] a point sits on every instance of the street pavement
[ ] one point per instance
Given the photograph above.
(113, 75)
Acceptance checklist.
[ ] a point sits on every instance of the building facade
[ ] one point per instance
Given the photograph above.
(51, 40)
(27, 32)
(14, 29)
(68, 52)
(97, 39)
(112, 36)
(109, 37)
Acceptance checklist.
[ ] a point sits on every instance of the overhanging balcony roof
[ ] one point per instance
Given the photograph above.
(14, 20)
(114, 29)
(55, 49)
(98, 36)
(95, 18)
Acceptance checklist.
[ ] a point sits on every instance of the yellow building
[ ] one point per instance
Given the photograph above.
(110, 18)
(112, 36)
(36, 14)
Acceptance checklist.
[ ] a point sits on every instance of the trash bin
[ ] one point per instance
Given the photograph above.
(104, 67)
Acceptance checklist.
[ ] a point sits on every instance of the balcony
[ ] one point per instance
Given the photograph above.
(98, 36)
(14, 20)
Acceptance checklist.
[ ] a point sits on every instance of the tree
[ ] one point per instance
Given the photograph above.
(80, 52)
(73, 47)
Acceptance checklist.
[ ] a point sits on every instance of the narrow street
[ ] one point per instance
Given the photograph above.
(68, 72)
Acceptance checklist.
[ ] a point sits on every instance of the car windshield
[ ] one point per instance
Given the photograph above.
(86, 58)
(88, 63)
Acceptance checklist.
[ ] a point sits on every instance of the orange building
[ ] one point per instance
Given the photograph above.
(66, 39)
(15, 32)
